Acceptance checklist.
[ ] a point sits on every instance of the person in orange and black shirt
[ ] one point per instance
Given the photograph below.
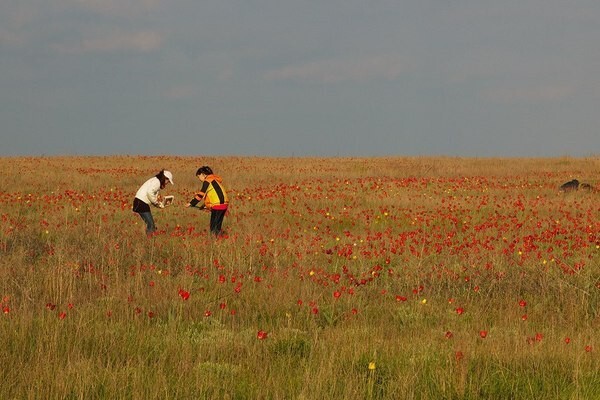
(215, 198)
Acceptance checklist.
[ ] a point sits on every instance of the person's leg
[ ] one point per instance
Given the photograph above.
(213, 222)
(149, 220)
(216, 221)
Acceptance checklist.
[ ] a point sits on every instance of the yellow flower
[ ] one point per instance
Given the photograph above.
(372, 365)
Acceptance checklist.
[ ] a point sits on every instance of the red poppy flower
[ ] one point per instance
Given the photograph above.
(539, 337)
(483, 334)
(261, 335)
(522, 303)
(184, 294)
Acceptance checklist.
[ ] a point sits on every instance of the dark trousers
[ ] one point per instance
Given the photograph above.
(216, 221)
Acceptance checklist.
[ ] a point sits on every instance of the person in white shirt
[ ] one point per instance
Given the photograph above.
(149, 194)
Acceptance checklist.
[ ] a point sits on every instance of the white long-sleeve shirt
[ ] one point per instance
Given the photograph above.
(148, 192)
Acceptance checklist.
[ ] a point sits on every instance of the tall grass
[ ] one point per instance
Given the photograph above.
(375, 278)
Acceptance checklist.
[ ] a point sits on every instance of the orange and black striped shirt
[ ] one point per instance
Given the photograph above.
(213, 193)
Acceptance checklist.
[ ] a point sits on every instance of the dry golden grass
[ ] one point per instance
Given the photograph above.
(371, 278)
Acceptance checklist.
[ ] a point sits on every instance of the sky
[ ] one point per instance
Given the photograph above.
(315, 78)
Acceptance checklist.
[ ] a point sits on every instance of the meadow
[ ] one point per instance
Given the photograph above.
(337, 278)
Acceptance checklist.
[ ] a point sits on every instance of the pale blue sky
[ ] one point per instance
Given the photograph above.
(473, 78)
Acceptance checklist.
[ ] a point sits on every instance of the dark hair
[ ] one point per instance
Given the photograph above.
(204, 170)
(162, 178)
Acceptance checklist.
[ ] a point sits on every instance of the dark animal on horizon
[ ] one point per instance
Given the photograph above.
(570, 186)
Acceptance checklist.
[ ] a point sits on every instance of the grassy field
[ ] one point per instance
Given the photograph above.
(338, 278)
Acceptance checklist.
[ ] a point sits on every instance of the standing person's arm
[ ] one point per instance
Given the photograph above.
(153, 193)
(200, 195)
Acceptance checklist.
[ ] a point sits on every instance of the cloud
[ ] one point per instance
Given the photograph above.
(226, 73)
(15, 23)
(545, 93)
(30, 23)
(179, 92)
(338, 70)
(114, 7)
(17, 16)
(142, 41)
(9, 38)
